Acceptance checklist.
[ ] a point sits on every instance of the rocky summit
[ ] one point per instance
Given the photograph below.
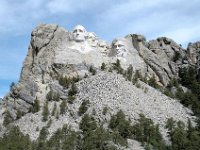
(69, 75)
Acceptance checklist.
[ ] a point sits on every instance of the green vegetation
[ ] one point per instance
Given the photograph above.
(181, 138)
(54, 109)
(148, 134)
(15, 140)
(12, 85)
(105, 110)
(63, 107)
(19, 114)
(36, 106)
(117, 67)
(92, 70)
(45, 112)
(136, 76)
(73, 90)
(52, 96)
(83, 107)
(191, 98)
(144, 131)
(152, 82)
(67, 81)
(7, 118)
(177, 56)
(129, 73)
(93, 136)
(103, 66)
(64, 81)
(71, 99)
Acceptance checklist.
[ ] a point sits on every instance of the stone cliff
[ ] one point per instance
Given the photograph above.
(55, 52)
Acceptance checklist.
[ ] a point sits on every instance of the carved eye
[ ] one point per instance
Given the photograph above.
(75, 31)
(80, 30)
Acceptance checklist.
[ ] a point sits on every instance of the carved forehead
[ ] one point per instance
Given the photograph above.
(91, 35)
(102, 43)
(118, 42)
(79, 27)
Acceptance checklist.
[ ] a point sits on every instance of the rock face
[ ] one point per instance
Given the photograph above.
(54, 52)
(193, 53)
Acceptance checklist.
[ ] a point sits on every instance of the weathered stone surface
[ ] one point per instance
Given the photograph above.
(193, 53)
(160, 57)
(114, 92)
(54, 51)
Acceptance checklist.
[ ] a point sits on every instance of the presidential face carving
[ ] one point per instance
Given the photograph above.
(92, 39)
(79, 33)
(119, 46)
(103, 47)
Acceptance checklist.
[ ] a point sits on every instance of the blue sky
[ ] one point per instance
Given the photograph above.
(177, 19)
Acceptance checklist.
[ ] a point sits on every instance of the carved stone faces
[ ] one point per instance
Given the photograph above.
(103, 47)
(92, 39)
(119, 46)
(79, 33)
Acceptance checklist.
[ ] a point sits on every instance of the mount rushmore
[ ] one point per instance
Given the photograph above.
(55, 52)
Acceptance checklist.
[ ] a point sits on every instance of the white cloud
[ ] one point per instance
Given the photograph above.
(16, 16)
(176, 19)
(70, 6)
(152, 19)
(184, 35)
(19, 16)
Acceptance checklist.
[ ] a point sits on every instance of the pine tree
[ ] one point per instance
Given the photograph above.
(45, 112)
(7, 118)
(83, 108)
(36, 106)
(130, 72)
(63, 107)
(15, 140)
(49, 95)
(103, 66)
(19, 114)
(73, 90)
(117, 67)
(54, 109)
(92, 70)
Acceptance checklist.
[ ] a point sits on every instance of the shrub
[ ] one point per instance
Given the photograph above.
(73, 90)
(36, 106)
(177, 56)
(52, 96)
(137, 76)
(152, 82)
(117, 67)
(92, 70)
(83, 107)
(63, 107)
(87, 124)
(15, 140)
(103, 66)
(119, 123)
(19, 114)
(105, 110)
(7, 118)
(64, 81)
(45, 112)
(129, 73)
(71, 99)
(54, 109)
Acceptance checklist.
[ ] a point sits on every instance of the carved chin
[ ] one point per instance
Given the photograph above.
(79, 39)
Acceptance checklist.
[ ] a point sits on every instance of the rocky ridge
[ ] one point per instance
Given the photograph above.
(55, 52)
